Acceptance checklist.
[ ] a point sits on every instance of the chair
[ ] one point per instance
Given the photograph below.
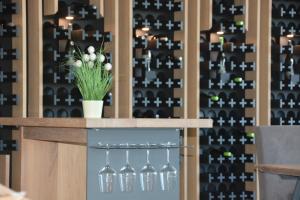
(278, 162)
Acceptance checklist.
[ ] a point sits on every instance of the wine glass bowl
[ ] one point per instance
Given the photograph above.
(168, 177)
(148, 176)
(106, 179)
(168, 174)
(106, 176)
(127, 176)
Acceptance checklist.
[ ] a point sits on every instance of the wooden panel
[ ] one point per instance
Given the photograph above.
(50, 7)
(54, 170)
(111, 25)
(193, 166)
(19, 65)
(17, 159)
(40, 169)
(71, 183)
(250, 149)
(180, 73)
(35, 59)
(264, 98)
(107, 123)
(4, 169)
(206, 14)
(70, 135)
(253, 37)
(191, 156)
(125, 58)
(250, 186)
(45, 122)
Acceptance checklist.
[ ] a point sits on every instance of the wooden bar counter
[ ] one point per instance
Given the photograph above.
(54, 153)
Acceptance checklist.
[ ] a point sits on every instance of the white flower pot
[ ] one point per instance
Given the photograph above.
(92, 108)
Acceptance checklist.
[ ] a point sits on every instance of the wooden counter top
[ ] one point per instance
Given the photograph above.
(107, 123)
(290, 170)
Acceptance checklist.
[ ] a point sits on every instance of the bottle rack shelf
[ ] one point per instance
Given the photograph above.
(154, 59)
(223, 97)
(285, 58)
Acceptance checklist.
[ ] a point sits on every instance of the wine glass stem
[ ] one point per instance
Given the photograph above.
(148, 154)
(107, 157)
(168, 155)
(127, 157)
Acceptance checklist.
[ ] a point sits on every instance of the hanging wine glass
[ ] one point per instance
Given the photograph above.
(107, 175)
(127, 175)
(148, 175)
(168, 174)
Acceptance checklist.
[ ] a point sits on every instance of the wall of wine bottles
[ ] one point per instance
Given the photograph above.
(155, 59)
(77, 24)
(8, 31)
(223, 86)
(285, 98)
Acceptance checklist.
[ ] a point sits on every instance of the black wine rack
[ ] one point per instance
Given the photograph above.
(79, 24)
(285, 98)
(8, 54)
(154, 60)
(223, 83)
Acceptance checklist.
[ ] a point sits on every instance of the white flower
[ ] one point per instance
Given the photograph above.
(93, 57)
(78, 63)
(101, 58)
(90, 64)
(108, 66)
(91, 49)
(86, 57)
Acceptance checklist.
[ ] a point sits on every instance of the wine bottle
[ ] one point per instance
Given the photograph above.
(168, 44)
(78, 11)
(52, 78)
(208, 100)
(137, 21)
(170, 62)
(8, 54)
(149, 114)
(221, 119)
(6, 146)
(148, 22)
(8, 8)
(62, 94)
(291, 118)
(210, 139)
(8, 30)
(63, 113)
(75, 93)
(48, 113)
(172, 6)
(291, 101)
(8, 99)
(291, 28)
(137, 113)
(226, 9)
(292, 11)
(8, 77)
(162, 114)
(51, 100)
(223, 136)
(76, 113)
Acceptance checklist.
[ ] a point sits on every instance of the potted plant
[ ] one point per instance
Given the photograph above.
(93, 78)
